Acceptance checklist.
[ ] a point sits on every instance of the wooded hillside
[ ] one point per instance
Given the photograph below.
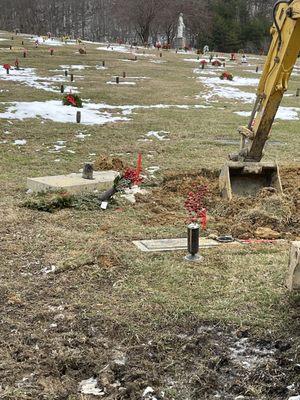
(224, 25)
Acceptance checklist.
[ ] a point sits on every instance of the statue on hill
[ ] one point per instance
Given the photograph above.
(180, 37)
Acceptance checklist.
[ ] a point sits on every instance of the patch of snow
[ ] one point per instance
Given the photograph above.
(131, 192)
(294, 398)
(75, 67)
(48, 270)
(52, 41)
(116, 48)
(147, 391)
(229, 93)
(21, 142)
(54, 110)
(160, 135)
(284, 113)
(120, 83)
(158, 62)
(152, 170)
(81, 136)
(249, 356)
(28, 77)
(91, 113)
(90, 387)
(196, 60)
(237, 81)
(204, 71)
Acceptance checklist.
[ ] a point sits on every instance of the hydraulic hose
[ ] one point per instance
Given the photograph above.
(275, 20)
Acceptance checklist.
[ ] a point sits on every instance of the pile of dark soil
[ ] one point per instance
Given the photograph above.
(104, 163)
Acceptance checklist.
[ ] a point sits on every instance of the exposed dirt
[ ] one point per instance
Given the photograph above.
(188, 359)
(104, 163)
(240, 217)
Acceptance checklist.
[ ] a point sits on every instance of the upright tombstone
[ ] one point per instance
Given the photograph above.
(88, 171)
(293, 279)
(180, 42)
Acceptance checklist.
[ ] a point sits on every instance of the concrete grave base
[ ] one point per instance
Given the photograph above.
(171, 244)
(293, 279)
(73, 183)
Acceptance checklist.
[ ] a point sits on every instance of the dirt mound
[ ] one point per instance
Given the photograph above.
(243, 215)
(104, 163)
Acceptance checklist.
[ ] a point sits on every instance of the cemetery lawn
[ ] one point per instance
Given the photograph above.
(76, 294)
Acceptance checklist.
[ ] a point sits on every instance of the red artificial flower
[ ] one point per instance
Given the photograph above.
(132, 176)
(194, 205)
(71, 100)
(6, 66)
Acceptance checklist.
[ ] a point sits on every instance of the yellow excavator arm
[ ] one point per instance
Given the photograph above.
(282, 56)
(245, 175)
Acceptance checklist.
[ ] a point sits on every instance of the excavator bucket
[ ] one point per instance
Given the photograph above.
(248, 178)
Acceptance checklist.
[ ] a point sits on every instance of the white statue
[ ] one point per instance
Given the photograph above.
(206, 49)
(181, 27)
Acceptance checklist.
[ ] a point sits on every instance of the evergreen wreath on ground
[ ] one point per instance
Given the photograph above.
(72, 100)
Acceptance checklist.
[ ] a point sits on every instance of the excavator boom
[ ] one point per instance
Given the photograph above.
(245, 175)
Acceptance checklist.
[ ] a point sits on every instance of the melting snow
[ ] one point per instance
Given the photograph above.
(131, 192)
(116, 48)
(28, 77)
(52, 41)
(54, 110)
(237, 81)
(121, 83)
(78, 67)
(229, 93)
(91, 114)
(21, 142)
(89, 386)
(284, 113)
(161, 135)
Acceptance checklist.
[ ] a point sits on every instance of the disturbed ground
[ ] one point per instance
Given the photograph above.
(83, 310)
(191, 359)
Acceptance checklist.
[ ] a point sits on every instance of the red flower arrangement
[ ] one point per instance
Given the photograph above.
(203, 62)
(130, 177)
(6, 66)
(194, 205)
(227, 76)
(216, 63)
(72, 100)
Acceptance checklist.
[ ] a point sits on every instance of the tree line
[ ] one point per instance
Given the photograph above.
(224, 25)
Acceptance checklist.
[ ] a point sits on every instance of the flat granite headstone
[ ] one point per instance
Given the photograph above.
(171, 244)
(73, 183)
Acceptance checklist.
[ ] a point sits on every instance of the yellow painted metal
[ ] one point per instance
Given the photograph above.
(279, 65)
(246, 175)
